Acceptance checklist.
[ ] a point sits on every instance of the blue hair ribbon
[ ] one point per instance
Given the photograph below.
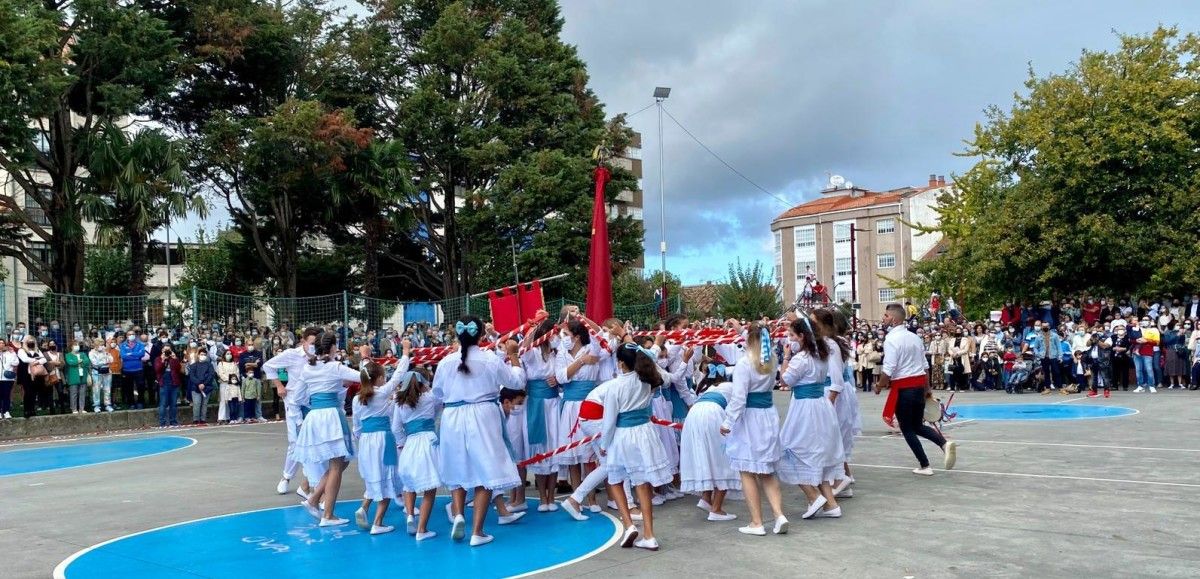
(469, 328)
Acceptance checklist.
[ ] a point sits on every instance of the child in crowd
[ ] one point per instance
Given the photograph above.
(513, 403)
(229, 412)
(1080, 370)
(251, 392)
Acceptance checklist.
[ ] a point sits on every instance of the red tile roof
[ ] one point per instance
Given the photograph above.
(841, 203)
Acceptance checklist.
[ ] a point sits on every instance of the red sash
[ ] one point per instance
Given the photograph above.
(889, 407)
(589, 410)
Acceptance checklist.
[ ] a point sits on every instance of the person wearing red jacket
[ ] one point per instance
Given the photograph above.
(1091, 312)
(1144, 338)
(1010, 314)
(169, 372)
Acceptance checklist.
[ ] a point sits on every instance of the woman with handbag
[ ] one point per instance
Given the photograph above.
(101, 360)
(56, 392)
(8, 365)
(31, 375)
(960, 350)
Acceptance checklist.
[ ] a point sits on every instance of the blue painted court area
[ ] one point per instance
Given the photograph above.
(47, 458)
(1037, 411)
(286, 542)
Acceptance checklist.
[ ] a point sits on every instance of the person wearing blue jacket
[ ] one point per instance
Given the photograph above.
(1047, 347)
(202, 382)
(133, 354)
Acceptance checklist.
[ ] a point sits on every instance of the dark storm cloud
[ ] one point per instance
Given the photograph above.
(882, 92)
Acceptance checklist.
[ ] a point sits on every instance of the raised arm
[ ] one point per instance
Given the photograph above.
(737, 397)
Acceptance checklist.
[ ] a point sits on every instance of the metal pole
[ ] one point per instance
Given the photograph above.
(167, 251)
(346, 318)
(516, 274)
(543, 280)
(853, 276)
(662, 202)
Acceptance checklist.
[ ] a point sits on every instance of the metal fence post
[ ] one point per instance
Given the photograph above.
(346, 318)
(196, 319)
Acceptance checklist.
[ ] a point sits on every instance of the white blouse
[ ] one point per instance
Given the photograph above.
(327, 377)
(804, 369)
(746, 379)
(488, 374)
(621, 394)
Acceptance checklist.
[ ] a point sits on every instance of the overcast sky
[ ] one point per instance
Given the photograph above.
(788, 91)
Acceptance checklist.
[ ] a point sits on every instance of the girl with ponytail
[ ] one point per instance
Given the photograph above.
(474, 453)
(374, 438)
(833, 327)
(542, 414)
(577, 370)
(810, 437)
(413, 420)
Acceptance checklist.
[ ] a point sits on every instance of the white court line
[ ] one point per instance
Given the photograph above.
(128, 458)
(138, 432)
(1046, 476)
(1068, 400)
(1068, 445)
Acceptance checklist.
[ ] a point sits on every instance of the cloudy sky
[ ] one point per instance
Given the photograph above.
(787, 91)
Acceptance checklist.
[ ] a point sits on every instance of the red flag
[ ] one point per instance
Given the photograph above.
(530, 296)
(599, 305)
(505, 315)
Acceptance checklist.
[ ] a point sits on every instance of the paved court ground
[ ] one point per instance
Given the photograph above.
(1103, 497)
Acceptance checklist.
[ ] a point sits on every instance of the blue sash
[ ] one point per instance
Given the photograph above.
(808, 391)
(384, 425)
(633, 418)
(418, 425)
(679, 407)
(323, 400)
(578, 390)
(658, 392)
(535, 411)
(503, 429)
(759, 400)
(714, 397)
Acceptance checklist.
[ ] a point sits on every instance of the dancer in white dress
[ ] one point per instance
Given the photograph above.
(472, 438)
(376, 444)
(703, 465)
(284, 369)
(324, 438)
(413, 424)
(752, 428)
(833, 326)
(633, 451)
(576, 369)
(542, 413)
(810, 437)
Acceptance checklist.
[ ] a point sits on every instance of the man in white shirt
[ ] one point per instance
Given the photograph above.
(284, 370)
(904, 370)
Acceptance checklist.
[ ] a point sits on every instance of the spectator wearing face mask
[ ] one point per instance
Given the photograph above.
(228, 375)
(8, 367)
(57, 336)
(101, 363)
(133, 354)
(78, 371)
(237, 347)
(1144, 337)
(1175, 356)
(250, 355)
(202, 382)
(1047, 348)
(169, 375)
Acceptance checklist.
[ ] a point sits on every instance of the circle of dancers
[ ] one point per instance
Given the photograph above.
(589, 402)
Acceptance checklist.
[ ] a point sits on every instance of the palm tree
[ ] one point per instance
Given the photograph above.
(135, 185)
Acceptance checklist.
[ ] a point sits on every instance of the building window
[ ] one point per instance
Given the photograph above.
(43, 256)
(842, 296)
(886, 260)
(635, 213)
(35, 211)
(806, 236)
(841, 232)
(805, 268)
(885, 225)
(841, 266)
(887, 295)
(778, 243)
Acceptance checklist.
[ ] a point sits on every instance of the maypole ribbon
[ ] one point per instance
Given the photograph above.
(585, 440)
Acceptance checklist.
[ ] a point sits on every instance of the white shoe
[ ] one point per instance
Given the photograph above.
(7, 415)
(1153, 390)
(845, 494)
(1139, 389)
(636, 517)
(572, 510)
(551, 507)
(450, 513)
(282, 487)
(612, 505)
(951, 455)
(300, 491)
(674, 494)
(647, 544)
(834, 513)
(108, 408)
(510, 519)
(426, 535)
(378, 530)
(360, 517)
(458, 528)
(518, 507)
(544, 508)
(657, 500)
(628, 537)
(703, 505)
(595, 509)
(756, 531)
(923, 471)
(719, 517)
(477, 540)
(311, 509)
(333, 522)
(813, 507)
(781, 526)
(411, 524)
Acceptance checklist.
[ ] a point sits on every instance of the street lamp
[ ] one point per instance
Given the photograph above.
(660, 94)
(854, 272)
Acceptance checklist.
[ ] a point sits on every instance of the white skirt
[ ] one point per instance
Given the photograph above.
(380, 479)
(547, 466)
(812, 443)
(471, 449)
(753, 441)
(566, 416)
(323, 436)
(849, 419)
(514, 425)
(661, 407)
(636, 454)
(417, 465)
(703, 465)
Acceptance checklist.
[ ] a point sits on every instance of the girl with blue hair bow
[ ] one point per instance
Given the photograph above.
(375, 442)
(417, 466)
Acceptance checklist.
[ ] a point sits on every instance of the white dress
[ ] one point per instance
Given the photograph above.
(703, 464)
(375, 450)
(846, 405)
(810, 437)
(324, 435)
(753, 441)
(518, 439)
(417, 465)
(472, 441)
(537, 369)
(568, 411)
(634, 453)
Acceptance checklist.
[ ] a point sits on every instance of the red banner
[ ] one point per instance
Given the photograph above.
(530, 298)
(506, 313)
(599, 304)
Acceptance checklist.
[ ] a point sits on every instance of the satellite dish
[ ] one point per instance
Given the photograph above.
(849, 185)
(836, 181)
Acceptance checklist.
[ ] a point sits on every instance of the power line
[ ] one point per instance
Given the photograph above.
(724, 162)
(631, 115)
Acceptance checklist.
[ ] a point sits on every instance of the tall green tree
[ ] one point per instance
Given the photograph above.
(69, 69)
(107, 271)
(135, 185)
(1089, 182)
(749, 293)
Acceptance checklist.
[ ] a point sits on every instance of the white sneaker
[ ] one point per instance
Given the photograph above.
(845, 494)
(923, 471)
(721, 517)
(781, 526)
(1139, 389)
(518, 507)
(834, 513)
(628, 537)
(595, 509)
(477, 540)
(546, 508)
(301, 493)
(647, 544)
(572, 510)
(426, 535)
(636, 517)
(378, 530)
(7, 415)
(813, 507)
(657, 500)
(951, 454)
(841, 486)
(1153, 390)
(612, 505)
(333, 522)
(108, 408)
(510, 519)
(756, 531)
(450, 514)
(703, 505)
(411, 524)
(552, 507)
(458, 528)
(311, 509)
(360, 517)
(282, 487)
